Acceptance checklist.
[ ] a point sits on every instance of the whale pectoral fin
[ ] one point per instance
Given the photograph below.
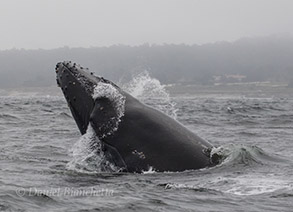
(104, 117)
(113, 156)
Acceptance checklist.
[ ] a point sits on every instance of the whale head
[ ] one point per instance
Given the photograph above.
(78, 86)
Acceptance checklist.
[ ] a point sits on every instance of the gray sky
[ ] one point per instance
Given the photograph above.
(49, 24)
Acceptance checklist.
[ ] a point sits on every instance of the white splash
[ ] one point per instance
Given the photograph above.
(109, 91)
(151, 92)
(151, 170)
(87, 155)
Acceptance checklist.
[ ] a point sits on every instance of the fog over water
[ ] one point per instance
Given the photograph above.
(48, 24)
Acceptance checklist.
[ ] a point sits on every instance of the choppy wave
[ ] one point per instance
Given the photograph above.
(255, 173)
(236, 155)
(243, 185)
(8, 117)
(244, 171)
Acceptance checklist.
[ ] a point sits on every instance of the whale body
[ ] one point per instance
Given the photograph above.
(134, 136)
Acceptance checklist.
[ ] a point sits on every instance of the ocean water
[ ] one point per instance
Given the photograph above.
(44, 166)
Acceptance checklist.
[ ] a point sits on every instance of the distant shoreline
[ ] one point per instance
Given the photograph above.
(241, 90)
(245, 89)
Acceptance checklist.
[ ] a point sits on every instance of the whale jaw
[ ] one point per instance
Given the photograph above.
(77, 86)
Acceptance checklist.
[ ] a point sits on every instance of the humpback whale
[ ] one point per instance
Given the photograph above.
(134, 136)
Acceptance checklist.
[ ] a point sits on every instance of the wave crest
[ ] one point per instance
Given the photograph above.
(232, 154)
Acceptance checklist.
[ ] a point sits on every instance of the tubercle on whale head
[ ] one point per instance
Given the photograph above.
(67, 69)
